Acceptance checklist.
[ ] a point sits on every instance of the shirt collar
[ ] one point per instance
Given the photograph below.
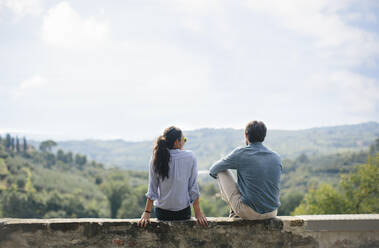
(174, 151)
(255, 144)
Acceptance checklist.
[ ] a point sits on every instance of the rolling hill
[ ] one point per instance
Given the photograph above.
(210, 144)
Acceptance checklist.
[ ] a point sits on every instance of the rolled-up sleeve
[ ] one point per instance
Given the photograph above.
(193, 187)
(229, 162)
(152, 192)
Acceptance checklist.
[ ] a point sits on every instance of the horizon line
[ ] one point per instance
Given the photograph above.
(24, 133)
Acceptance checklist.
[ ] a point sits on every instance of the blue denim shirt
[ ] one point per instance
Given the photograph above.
(258, 172)
(180, 189)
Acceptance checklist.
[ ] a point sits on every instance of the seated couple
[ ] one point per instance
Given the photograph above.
(173, 184)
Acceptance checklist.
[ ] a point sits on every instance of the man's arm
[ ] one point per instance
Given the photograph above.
(229, 162)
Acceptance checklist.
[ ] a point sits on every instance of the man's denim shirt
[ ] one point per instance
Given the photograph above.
(258, 171)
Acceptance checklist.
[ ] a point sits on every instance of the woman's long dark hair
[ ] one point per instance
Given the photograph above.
(161, 154)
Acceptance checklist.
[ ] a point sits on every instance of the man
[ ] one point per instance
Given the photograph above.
(256, 193)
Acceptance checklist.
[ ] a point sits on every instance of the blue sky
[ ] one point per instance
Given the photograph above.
(128, 69)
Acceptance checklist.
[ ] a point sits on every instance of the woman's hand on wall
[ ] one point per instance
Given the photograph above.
(201, 219)
(145, 219)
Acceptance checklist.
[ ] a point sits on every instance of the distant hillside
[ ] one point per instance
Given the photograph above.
(43, 184)
(211, 144)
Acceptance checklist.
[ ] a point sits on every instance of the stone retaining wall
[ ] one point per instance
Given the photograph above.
(299, 231)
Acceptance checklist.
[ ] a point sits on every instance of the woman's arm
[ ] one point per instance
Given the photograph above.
(145, 218)
(194, 194)
(200, 217)
(152, 194)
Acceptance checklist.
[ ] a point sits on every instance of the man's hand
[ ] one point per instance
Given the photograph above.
(145, 218)
(201, 219)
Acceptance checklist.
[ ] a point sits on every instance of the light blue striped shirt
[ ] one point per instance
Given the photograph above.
(180, 189)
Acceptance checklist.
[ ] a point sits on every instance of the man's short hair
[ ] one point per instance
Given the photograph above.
(255, 131)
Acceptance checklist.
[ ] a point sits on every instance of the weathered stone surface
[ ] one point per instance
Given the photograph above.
(282, 231)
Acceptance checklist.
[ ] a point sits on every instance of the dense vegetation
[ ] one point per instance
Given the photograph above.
(356, 193)
(46, 184)
(211, 144)
(304, 174)
(42, 184)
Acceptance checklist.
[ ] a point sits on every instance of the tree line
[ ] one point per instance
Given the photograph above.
(41, 183)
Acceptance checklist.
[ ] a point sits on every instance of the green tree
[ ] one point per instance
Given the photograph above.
(29, 185)
(303, 158)
(3, 153)
(289, 202)
(80, 160)
(47, 145)
(133, 203)
(210, 201)
(54, 202)
(21, 182)
(12, 144)
(60, 155)
(374, 148)
(68, 206)
(323, 200)
(115, 192)
(8, 141)
(22, 205)
(362, 188)
(3, 168)
(98, 180)
(358, 193)
(17, 145)
(25, 145)
(49, 159)
(68, 158)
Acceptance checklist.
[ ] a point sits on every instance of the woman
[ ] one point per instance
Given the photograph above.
(172, 181)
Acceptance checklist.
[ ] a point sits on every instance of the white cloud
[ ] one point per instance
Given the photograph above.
(34, 82)
(64, 27)
(355, 94)
(22, 8)
(139, 73)
(197, 15)
(360, 94)
(199, 7)
(338, 46)
(324, 20)
(191, 63)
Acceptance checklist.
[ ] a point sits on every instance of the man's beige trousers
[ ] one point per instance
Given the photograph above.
(231, 194)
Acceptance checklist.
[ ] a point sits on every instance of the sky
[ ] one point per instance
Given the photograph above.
(91, 69)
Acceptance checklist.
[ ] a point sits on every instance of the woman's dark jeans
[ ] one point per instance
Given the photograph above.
(162, 214)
